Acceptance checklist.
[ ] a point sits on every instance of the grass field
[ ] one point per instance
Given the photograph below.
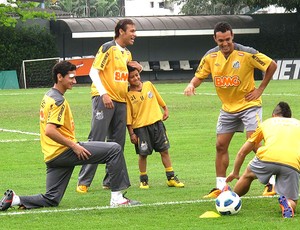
(191, 129)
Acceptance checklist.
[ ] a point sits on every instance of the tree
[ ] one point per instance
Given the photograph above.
(196, 7)
(14, 11)
(88, 8)
(290, 5)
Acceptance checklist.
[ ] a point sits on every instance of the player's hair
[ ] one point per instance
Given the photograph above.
(122, 24)
(222, 27)
(131, 68)
(62, 67)
(282, 109)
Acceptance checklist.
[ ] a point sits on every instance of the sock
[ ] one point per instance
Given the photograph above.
(221, 182)
(143, 176)
(169, 172)
(117, 196)
(272, 180)
(16, 200)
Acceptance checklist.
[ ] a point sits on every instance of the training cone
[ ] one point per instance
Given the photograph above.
(209, 214)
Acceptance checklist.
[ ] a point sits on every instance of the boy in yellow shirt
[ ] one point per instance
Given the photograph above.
(146, 128)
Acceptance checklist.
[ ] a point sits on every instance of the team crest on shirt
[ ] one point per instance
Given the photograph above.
(99, 115)
(236, 65)
(150, 94)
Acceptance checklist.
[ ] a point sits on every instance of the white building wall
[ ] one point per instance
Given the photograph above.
(150, 8)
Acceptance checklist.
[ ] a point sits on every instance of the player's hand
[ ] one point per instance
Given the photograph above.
(165, 115)
(81, 152)
(231, 177)
(134, 138)
(108, 103)
(189, 90)
(135, 65)
(253, 95)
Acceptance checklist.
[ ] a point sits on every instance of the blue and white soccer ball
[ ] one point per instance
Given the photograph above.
(228, 203)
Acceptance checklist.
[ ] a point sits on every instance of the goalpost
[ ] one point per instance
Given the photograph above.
(37, 72)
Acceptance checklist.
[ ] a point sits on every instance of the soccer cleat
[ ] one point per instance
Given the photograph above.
(105, 187)
(6, 200)
(287, 210)
(125, 202)
(269, 190)
(214, 193)
(82, 188)
(174, 182)
(144, 185)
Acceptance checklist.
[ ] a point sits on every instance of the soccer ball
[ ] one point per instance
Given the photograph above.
(228, 203)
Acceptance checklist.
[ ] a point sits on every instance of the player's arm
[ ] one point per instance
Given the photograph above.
(239, 160)
(166, 113)
(194, 83)
(256, 93)
(95, 76)
(52, 132)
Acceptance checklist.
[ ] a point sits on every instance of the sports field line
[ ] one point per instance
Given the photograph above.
(18, 140)
(181, 92)
(18, 131)
(54, 210)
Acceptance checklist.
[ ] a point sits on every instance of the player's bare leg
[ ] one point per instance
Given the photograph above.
(243, 184)
(143, 172)
(172, 180)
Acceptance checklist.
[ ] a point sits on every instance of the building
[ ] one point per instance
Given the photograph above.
(150, 8)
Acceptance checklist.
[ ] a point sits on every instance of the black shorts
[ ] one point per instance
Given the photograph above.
(151, 137)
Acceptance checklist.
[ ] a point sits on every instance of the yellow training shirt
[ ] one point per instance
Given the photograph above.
(233, 77)
(55, 110)
(112, 63)
(144, 108)
(281, 137)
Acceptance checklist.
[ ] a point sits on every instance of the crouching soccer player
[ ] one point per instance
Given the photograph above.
(278, 156)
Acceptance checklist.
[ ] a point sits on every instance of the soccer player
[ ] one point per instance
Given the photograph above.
(62, 152)
(109, 75)
(231, 66)
(279, 156)
(146, 128)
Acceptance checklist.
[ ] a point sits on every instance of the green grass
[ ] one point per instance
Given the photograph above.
(191, 129)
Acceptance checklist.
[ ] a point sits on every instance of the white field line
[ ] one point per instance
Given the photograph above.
(55, 210)
(21, 132)
(18, 140)
(18, 131)
(197, 93)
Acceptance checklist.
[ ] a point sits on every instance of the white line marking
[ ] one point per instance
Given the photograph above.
(40, 211)
(18, 131)
(18, 140)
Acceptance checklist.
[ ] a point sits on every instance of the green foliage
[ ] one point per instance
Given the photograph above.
(18, 44)
(196, 7)
(20, 11)
(290, 5)
(191, 129)
(89, 8)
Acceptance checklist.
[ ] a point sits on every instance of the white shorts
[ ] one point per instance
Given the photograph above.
(236, 122)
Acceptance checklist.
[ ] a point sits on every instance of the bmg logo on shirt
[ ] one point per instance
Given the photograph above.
(120, 76)
(226, 81)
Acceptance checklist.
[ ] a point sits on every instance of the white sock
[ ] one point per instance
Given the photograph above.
(221, 182)
(117, 197)
(272, 180)
(16, 200)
